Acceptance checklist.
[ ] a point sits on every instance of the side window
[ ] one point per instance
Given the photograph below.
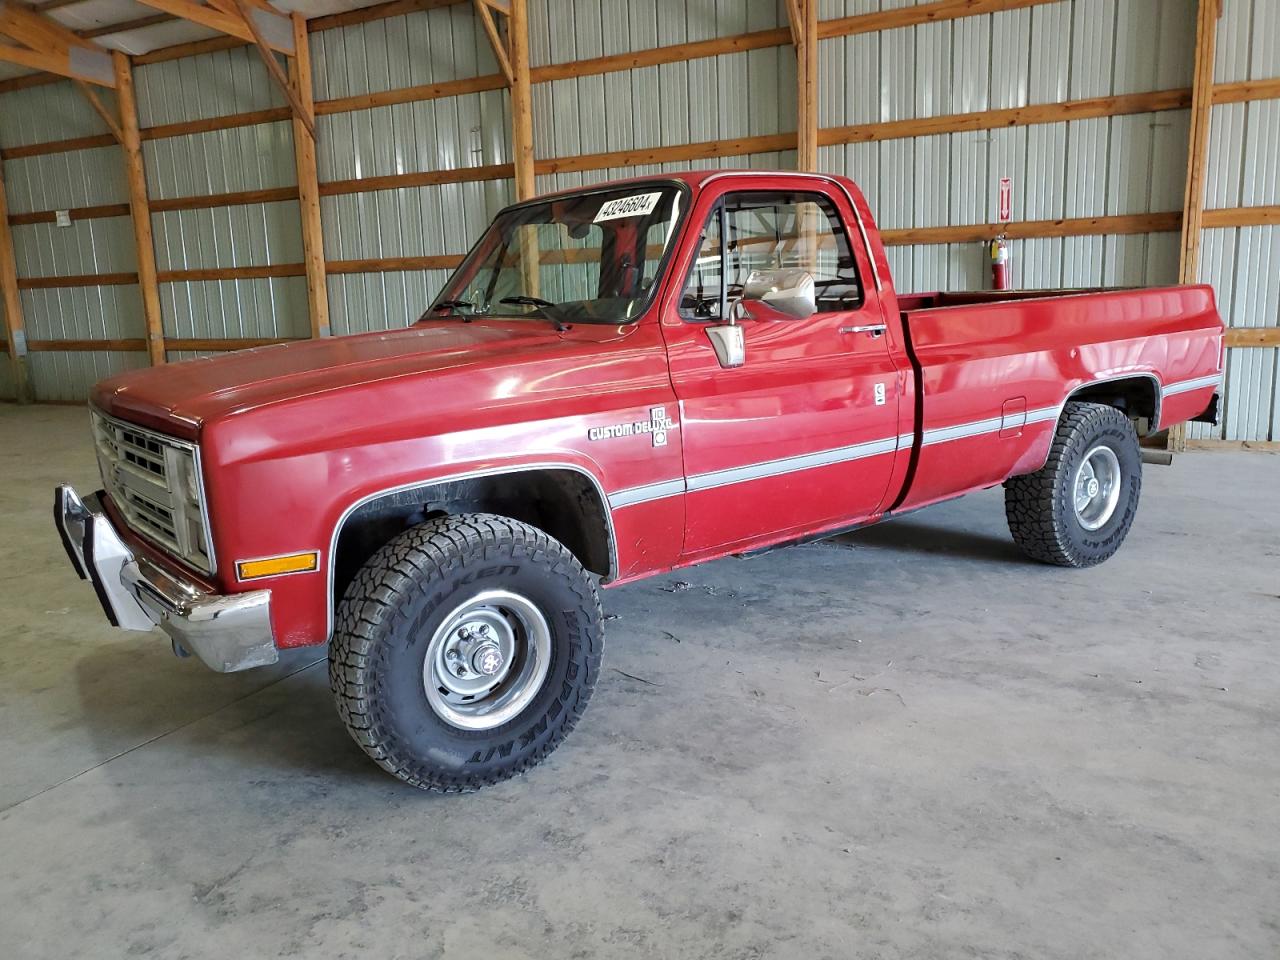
(770, 231)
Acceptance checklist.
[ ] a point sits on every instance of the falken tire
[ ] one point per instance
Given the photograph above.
(1041, 507)
(395, 610)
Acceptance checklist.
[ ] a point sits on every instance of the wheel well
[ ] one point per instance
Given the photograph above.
(565, 504)
(1138, 397)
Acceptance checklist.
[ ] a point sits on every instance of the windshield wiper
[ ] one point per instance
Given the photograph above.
(447, 305)
(523, 301)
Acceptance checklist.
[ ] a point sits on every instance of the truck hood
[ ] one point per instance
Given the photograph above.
(179, 398)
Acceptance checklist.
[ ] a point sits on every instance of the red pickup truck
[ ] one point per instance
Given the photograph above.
(617, 381)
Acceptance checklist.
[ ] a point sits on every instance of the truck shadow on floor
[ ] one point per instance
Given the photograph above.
(915, 536)
(190, 722)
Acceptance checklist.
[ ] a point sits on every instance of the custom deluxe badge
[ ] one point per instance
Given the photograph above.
(656, 426)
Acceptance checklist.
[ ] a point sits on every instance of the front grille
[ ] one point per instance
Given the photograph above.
(153, 481)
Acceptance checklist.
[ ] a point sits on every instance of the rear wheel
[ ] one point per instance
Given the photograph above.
(465, 650)
(1077, 509)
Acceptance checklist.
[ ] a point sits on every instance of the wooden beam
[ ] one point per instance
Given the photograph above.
(1253, 337)
(1247, 90)
(1115, 106)
(302, 113)
(78, 280)
(139, 209)
(227, 343)
(274, 29)
(332, 21)
(138, 345)
(304, 154)
(54, 47)
(804, 27)
(381, 11)
(14, 328)
(912, 16)
(101, 110)
(138, 23)
(1242, 217)
(521, 99)
(262, 271)
(100, 212)
(426, 178)
(1264, 446)
(1198, 150)
(1154, 102)
(88, 346)
(656, 56)
(1116, 225)
(192, 48)
(238, 198)
(426, 91)
(447, 261)
(743, 146)
(208, 124)
(1207, 14)
(29, 80)
(58, 146)
(485, 12)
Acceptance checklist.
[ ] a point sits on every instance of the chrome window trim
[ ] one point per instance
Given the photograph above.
(464, 475)
(826, 178)
(194, 449)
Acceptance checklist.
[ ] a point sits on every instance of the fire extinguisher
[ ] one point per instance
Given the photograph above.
(1000, 278)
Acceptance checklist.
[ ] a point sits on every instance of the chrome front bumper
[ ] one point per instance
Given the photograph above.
(228, 633)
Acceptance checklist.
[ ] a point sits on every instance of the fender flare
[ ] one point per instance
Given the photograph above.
(432, 481)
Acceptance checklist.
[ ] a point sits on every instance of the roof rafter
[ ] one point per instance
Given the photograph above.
(300, 112)
(272, 27)
(45, 44)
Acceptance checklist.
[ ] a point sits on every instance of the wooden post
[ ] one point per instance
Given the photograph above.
(521, 99)
(304, 152)
(139, 208)
(1197, 159)
(15, 335)
(805, 34)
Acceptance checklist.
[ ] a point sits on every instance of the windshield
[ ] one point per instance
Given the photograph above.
(591, 257)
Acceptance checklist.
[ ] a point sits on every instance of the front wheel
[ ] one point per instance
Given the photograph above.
(1076, 510)
(465, 650)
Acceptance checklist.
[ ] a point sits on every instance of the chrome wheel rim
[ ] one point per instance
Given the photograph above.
(487, 660)
(1096, 489)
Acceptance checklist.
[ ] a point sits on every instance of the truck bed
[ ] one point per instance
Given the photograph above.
(992, 370)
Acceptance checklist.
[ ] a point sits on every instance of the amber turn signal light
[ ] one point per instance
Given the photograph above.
(275, 566)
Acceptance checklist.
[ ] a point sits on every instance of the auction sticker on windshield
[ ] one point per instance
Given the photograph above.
(634, 206)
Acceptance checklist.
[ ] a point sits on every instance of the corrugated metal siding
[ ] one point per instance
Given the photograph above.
(56, 111)
(61, 181)
(465, 131)
(1243, 264)
(64, 377)
(210, 85)
(1043, 54)
(561, 31)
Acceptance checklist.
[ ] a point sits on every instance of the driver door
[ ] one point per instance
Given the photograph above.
(800, 437)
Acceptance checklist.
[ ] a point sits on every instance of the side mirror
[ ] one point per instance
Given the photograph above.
(779, 294)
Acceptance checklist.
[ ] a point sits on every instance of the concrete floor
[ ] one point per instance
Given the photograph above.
(904, 743)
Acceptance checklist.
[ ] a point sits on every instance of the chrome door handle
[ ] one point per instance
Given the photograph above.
(875, 329)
